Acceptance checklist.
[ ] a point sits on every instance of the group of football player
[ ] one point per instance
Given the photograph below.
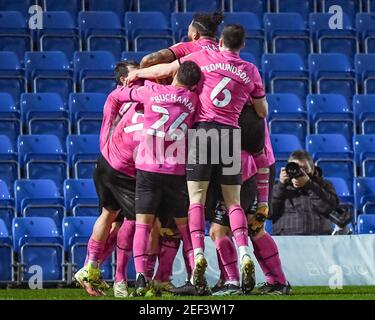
(173, 157)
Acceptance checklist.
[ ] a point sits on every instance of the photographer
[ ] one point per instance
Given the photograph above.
(302, 200)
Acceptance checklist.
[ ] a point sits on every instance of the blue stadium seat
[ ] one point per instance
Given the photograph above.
(80, 197)
(364, 151)
(350, 7)
(49, 71)
(329, 40)
(180, 23)
(365, 70)
(364, 194)
(286, 113)
(366, 224)
(45, 113)
(302, 7)
(148, 31)
(12, 78)
(43, 157)
(370, 5)
(136, 56)
(286, 73)
(330, 113)
(6, 254)
(268, 226)
(333, 154)
(9, 168)
(201, 6)
(102, 31)
(21, 6)
(59, 34)
(86, 112)
(363, 107)
(118, 7)
(287, 33)
(166, 6)
(255, 43)
(365, 24)
(259, 7)
(14, 34)
(83, 151)
(333, 73)
(343, 190)
(249, 57)
(39, 198)
(77, 230)
(94, 71)
(72, 6)
(38, 242)
(10, 124)
(7, 210)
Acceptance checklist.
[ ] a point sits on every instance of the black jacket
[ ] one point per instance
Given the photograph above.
(303, 211)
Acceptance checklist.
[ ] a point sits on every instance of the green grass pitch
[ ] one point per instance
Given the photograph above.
(299, 293)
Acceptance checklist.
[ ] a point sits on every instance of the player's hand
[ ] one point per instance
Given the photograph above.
(283, 176)
(132, 76)
(301, 181)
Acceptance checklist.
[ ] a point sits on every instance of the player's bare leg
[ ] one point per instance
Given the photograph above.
(238, 223)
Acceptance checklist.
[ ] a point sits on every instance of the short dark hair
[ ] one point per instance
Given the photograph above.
(121, 69)
(207, 23)
(189, 74)
(233, 36)
(302, 155)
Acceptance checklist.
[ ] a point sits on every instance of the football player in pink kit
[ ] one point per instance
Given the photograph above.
(228, 83)
(169, 112)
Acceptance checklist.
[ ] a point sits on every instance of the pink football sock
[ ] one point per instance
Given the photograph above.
(95, 250)
(124, 249)
(140, 244)
(262, 176)
(267, 254)
(151, 261)
(187, 246)
(197, 225)
(109, 245)
(223, 274)
(228, 256)
(238, 224)
(167, 254)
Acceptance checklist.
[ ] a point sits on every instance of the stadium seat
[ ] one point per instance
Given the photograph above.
(366, 224)
(333, 73)
(10, 124)
(343, 190)
(6, 254)
(249, 57)
(102, 31)
(7, 210)
(364, 194)
(94, 71)
(49, 71)
(365, 24)
(148, 31)
(136, 56)
(14, 34)
(38, 243)
(287, 33)
(365, 70)
(363, 107)
(350, 7)
(330, 113)
(166, 6)
(44, 113)
(268, 226)
(12, 80)
(43, 157)
(86, 112)
(286, 73)
(328, 40)
(21, 6)
(286, 113)
(180, 23)
(304, 7)
(201, 6)
(9, 168)
(80, 197)
(118, 7)
(72, 6)
(83, 151)
(259, 7)
(364, 151)
(59, 34)
(39, 198)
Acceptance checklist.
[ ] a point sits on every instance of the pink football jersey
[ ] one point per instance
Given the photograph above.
(268, 146)
(228, 82)
(121, 148)
(168, 114)
(249, 168)
(182, 49)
